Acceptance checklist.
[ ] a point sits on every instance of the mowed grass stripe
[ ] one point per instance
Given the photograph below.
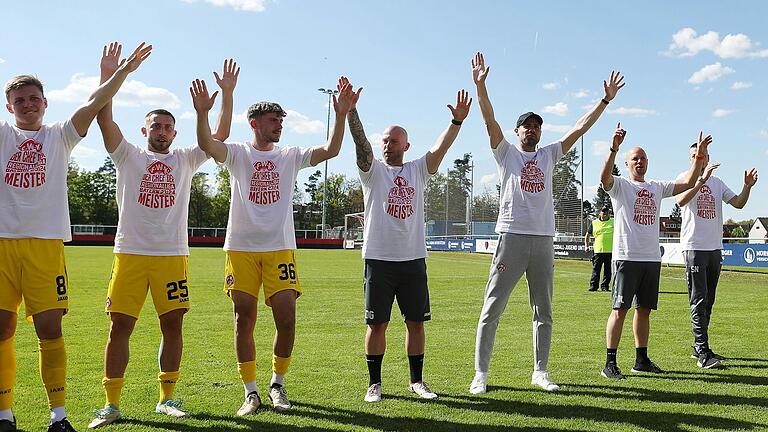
(328, 375)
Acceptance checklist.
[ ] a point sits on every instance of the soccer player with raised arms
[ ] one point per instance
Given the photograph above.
(34, 224)
(151, 246)
(394, 246)
(260, 241)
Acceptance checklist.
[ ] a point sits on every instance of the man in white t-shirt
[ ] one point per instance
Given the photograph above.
(526, 225)
(394, 245)
(636, 253)
(34, 224)
(151, 246)
(260, 242)
(701, 238)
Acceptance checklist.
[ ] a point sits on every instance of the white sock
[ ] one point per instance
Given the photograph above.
(58, 414)
(277, 379)
(481, 375)
(6, 414)
(250, 387)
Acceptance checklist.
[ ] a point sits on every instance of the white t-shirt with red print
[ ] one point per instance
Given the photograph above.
(33, 195)
(153, 199)
(394, 210)
(527, 206)
(636, 207)
(261, 210)
(703, 216)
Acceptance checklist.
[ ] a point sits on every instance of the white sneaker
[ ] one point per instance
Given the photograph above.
(479, 383)
(421, 389)
(279, 398)
(542, 379)
(170, 407)
(251, 404)
(105, 416)
(374, 393)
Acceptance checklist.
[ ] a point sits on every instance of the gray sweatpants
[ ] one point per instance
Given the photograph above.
(518, 254)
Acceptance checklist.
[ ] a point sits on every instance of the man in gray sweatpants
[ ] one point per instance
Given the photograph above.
(526, 225)
(701, 239)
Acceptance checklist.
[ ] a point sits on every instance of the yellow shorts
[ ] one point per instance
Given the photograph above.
(133, 275)
(248, 271)
(33, 269)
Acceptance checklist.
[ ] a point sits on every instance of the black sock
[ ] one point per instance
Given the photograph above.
(641, 355)
(416, 364)
(610, 356)
(374, 368)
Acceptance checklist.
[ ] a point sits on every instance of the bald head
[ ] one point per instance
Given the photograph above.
(637, 163)
(394, 144)
(397, 130)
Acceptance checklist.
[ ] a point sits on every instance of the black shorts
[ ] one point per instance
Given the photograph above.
(405, 280)
(636, 283)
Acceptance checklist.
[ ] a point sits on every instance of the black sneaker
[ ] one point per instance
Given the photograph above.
(604, 289)
(708, 361)
(8, 425)
(647, 366)
(612, 371)
(592, 289)
(61, 426)
(696, 354)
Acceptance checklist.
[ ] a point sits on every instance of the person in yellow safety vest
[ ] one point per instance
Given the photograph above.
(602, 230)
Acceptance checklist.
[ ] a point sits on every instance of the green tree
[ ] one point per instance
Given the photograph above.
(485, 206)
(200, 201)
(78, 192)
(738, 232)
(601, 198)
(219, 210)
(565, 192)
(676, 212)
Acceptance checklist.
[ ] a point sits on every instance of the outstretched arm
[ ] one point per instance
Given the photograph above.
(203, 104)
(479, 74)
(606, 173)
(83, 117)
(698, 161)
(341, 106)
(436, 154)
(227, 83)
(686, 197)
(110, 131)
(581, 127)
(740, 200)
(363, 148)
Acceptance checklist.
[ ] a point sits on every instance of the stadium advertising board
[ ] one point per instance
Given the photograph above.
(451, 245)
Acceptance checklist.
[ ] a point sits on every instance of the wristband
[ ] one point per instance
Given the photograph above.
(456, 122)
(605, 101)
(614, 151)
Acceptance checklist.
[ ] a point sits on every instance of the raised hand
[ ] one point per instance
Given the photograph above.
(479, 70)
(134, 61)
(750, 178)
(614, 84)
(463, 102)
(344, 102)
(701, 148)
(228, 79)
(355, 94)
(200, 99)
(110, 59)
(618, 137)
(708, 170)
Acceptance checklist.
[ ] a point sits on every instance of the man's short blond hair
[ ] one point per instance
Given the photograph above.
(20, 81)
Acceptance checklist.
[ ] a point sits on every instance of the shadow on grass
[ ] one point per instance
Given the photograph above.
(227, 423)
(715, 378)
(635, 393)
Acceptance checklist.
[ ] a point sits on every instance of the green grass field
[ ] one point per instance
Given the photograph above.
(328, 376)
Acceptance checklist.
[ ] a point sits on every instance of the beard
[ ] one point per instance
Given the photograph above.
(530, 141)
(159, 146)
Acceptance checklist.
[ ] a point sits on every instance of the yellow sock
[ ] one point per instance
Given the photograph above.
(167, 384)
(280, 364)
(112, 389)
(247, 371)
(7, 373)
(53, 370)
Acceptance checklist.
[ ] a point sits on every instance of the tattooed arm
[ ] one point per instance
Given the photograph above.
(363, 148)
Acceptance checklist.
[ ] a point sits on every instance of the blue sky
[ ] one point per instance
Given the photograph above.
(689, 65)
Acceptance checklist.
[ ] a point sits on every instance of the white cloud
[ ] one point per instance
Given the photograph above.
(591, 189)
(687, 43)
(240, 5)
(490, 178)
(739, 85)
(188, 115)
(764, 133)
(81, 151)
(559, 109)
(711, 72)
(301, 124)
(600, 148)
(2, 60)
(551, 86)
(132, 93)
(632, 111)
(557, 128)
(579, 94)
(375, 138)
(720, 112)
(241, 117)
